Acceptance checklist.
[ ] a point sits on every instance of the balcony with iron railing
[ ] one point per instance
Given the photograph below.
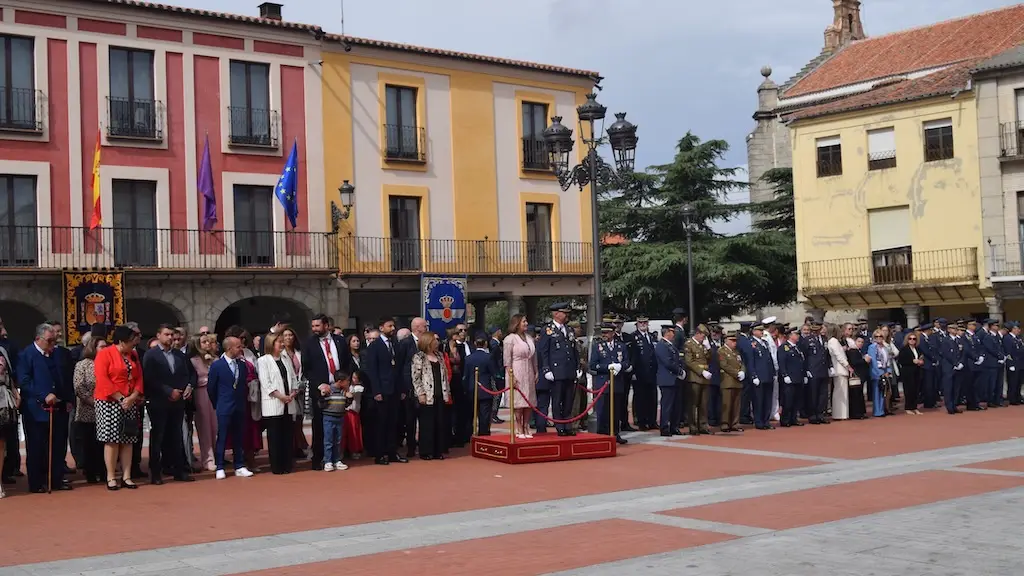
(535, 155)
(890, 269)
(60, 247)
(1011, 141)
(135, 119)
(253, 127)
(21, 109)
(361, 256)
(405, 143)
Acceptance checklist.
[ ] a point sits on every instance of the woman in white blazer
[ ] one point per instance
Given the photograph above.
(291, 353)
(840, 372)
(278, 390)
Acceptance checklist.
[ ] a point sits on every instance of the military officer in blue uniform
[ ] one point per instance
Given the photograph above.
(628, 342)
(930, 346)
(975, 355)
(715, 389)
(761, 370)
(669, 377)
(681, 404)
(1014, 348)
(747, 393)
(792, 374)
(818, 365)
(993, 362)
(559, 364)
(645, 390)
(941, 348)
(608, 359)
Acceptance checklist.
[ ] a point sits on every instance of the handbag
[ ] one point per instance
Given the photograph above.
(854, 381)
(129, 424)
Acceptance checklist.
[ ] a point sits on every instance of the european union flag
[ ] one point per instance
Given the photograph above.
(286, 185)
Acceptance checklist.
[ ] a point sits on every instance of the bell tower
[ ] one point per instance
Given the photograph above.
(846, 25)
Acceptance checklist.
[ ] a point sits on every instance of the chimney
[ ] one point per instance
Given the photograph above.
(846, 25)
(270, 11)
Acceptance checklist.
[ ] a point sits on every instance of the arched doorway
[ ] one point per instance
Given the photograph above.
(258, 314)
(150, 314)
(20, 321)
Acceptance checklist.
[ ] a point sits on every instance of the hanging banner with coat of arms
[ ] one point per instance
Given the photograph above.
(444, 302)
(92, 298)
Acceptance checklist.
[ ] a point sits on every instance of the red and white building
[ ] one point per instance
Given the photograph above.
(152, 82)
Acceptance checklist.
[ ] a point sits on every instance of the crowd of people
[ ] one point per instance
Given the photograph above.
(389, 390)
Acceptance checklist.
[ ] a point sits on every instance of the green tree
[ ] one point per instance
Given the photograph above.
(777, 214)
(649, 273)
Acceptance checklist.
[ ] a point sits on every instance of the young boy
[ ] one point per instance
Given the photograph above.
(334, 402)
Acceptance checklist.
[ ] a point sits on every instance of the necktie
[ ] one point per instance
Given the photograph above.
(330, 358)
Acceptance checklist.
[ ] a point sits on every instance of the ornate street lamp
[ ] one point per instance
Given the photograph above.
(688, 213)
(592, 170)
(348, 198)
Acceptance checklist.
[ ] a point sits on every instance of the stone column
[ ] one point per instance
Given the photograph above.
(530, 309)
(913, 312)
(995, 308)
(817, 313)
(514, 305)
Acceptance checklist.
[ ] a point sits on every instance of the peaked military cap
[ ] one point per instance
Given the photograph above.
(1010, 324)
(815, 325)
(560, 307)
(757, 326)
(679, 312)
(607, 327)
(769, 320)
(702, 329)
(642, 318)
(731, 335)
(608, 319)
(574, 324)
(531, 328)
(942, 322)
(991, 322)
(745, 325)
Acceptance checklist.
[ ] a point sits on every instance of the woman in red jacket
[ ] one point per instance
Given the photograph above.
(118, 396)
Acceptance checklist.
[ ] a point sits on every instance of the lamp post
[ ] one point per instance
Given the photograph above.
(622, 137)
(688, 212)
(348, 197)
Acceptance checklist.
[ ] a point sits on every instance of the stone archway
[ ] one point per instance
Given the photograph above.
(150, 314)
(20, 320)
(259, 313)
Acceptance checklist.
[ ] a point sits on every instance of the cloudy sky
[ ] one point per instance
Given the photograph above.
(673, 65)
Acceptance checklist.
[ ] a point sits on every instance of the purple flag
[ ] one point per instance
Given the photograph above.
(206, 189)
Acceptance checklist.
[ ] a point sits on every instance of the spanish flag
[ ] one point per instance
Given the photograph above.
(97, 214)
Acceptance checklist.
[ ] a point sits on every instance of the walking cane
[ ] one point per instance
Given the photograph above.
(49, 455)
(511, 406)
(611, 403)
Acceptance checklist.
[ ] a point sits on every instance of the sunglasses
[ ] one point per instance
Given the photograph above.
(912, 339)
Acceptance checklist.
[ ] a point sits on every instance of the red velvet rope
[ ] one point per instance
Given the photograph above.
(597, 394)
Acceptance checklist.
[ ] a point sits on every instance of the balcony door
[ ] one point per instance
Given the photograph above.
(17, 83)
(538, 237)
(535, 150)
(135, 233)
(250, 104)
(405, 233)
(19, 237)
(891, 254)
(401, 132)
(254, 226)
(132, 106)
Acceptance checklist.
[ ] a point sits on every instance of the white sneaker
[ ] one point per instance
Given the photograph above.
(339, 466)
(243, 472)
(328, 467)
(221, 475)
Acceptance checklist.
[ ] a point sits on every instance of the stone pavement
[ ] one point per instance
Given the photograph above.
(925, 495)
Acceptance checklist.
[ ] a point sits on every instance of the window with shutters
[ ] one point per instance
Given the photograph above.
(830, 157)
(891, 254)
(881, 148)
(938, 140)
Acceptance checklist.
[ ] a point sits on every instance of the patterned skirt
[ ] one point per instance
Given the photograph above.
(109, 419)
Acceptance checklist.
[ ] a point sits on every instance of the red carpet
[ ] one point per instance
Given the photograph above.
(548, 447)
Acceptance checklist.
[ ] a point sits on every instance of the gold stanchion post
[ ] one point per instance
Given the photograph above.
(476, 400)
(611, 403)
(511, 406)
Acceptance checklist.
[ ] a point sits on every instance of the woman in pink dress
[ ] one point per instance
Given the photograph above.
(521, 361)
(203, 352)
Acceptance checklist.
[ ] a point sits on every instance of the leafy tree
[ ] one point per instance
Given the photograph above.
(777, 214)
(649, 273)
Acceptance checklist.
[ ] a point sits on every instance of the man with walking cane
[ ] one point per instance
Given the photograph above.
(45, 404)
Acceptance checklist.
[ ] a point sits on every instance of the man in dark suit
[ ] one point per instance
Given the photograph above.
(386, 390)
(668, 376)
(480, 371)
(139, 352)
(645, 391)
(680, 319)
(321, 359)
(497, 352)
(12, 459)
(229, 395)
(44, 395)
(408, 409)
(168, 381)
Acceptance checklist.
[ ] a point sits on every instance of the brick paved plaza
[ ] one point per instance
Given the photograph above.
(907, 495)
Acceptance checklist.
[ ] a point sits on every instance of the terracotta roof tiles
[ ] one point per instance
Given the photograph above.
(971, 37)
(943, 82)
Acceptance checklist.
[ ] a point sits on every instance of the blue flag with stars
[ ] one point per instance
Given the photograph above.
(287, 184)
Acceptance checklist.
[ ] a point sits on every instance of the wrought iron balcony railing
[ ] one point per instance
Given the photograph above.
(252, 127)
(135, 119)
(1005, 260)
(405, 143)
(21, 109)
(56, 247)
(362, 255)
(892, 268)
(1011, 139)
(535, 154)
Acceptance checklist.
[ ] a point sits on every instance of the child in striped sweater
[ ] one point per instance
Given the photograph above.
(334, 405)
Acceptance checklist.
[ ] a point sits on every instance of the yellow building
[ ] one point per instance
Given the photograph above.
(451, 176)
(886, 176)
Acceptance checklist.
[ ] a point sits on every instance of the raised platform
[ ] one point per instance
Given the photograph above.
(548, 447)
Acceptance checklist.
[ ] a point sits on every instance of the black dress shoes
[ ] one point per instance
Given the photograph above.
(64, 487)
(627, 428)
(621, 440)
(184, 478)
(397, 458)
(157, 481)
(381, 460)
